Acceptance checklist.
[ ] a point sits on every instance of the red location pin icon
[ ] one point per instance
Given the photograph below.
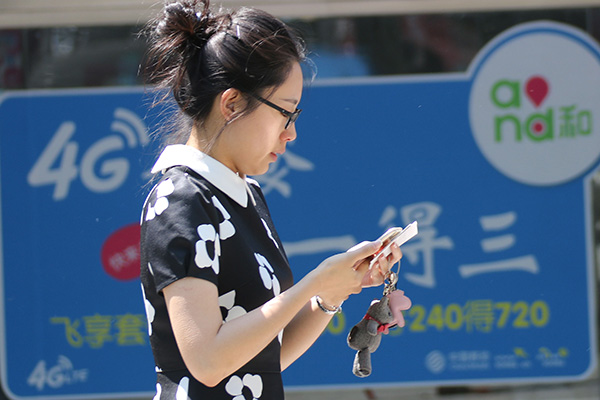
(537, 89)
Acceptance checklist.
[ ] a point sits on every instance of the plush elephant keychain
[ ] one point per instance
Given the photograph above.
(383, 314)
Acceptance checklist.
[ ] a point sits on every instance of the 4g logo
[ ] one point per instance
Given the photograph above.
(538, 126)
(57, 165)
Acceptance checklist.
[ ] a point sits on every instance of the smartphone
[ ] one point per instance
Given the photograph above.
(395, 235)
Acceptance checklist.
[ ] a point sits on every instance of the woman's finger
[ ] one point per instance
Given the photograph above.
(396, 253)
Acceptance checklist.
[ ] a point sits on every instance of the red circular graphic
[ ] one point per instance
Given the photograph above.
(538, 127)
(120, 253)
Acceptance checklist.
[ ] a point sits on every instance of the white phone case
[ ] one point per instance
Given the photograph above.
(398, 236)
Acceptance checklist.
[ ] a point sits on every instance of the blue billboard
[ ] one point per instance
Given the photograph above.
(495, 165)
(71, 183)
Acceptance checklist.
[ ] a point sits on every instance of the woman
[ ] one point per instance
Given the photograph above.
(224, 315)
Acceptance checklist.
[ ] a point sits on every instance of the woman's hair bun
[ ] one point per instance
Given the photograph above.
(191, 20)
(197, 54)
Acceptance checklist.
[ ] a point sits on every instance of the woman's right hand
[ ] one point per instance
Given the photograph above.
(341, 275)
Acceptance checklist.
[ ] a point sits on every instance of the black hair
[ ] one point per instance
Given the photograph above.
(196, 54)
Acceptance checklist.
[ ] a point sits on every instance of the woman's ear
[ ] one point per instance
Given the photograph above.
(231, 103)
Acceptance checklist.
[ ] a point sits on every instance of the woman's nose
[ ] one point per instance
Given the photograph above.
(290, 134)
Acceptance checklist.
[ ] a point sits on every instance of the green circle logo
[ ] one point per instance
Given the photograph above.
(534, 105)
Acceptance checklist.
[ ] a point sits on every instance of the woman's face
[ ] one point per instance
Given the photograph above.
(249, 145)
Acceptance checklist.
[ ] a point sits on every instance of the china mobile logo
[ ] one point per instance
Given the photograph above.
(546, 123)
(533, 103)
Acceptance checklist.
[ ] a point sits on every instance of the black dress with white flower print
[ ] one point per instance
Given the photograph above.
(192, 229)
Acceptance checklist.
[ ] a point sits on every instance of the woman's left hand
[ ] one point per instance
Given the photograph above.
(376, 274)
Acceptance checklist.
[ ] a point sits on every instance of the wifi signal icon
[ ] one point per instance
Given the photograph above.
(131, 126)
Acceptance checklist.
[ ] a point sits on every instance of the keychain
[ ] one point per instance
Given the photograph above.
(383, 314)
(392, 280)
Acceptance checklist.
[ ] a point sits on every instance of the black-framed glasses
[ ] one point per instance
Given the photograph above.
(291, 116)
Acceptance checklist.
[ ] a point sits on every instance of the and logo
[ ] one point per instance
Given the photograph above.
(534, 106)
(507, 97)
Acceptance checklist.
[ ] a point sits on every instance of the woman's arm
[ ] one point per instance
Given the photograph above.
(213, 350)
(302, 332)
(311, 321)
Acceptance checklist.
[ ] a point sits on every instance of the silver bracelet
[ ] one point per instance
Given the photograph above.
(326, 310)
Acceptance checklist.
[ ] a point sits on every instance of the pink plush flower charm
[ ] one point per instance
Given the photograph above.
(398, 303)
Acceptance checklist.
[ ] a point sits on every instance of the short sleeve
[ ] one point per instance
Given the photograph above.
(180, 231)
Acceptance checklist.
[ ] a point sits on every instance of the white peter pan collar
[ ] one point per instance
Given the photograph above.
(212, 170)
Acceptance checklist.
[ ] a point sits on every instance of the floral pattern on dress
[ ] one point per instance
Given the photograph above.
(150, 312)
(164, 189)
(267, 274)
(227, 301)
(226, 228)
(269, 232)
(269, 279)
(235, 386)
(158, 392)
(195, 224)
(209, 240)
(183, 389)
